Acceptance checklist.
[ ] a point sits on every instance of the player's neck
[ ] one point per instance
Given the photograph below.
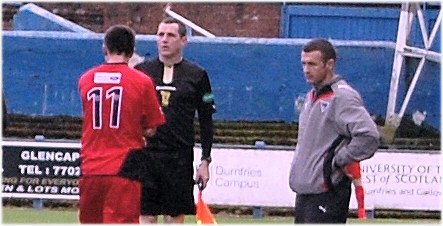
(171, 60)
(115, 59)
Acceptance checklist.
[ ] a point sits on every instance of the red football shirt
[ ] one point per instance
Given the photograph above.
(119, 102)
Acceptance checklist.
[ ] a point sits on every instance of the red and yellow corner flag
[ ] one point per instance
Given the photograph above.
(204, 215)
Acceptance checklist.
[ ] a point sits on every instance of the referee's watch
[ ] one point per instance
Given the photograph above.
(208, 159)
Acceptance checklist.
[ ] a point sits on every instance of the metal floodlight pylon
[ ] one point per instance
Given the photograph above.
(409, 10)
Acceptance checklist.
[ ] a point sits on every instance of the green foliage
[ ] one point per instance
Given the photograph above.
(25, 215)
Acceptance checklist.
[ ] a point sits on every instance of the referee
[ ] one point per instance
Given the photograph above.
(183, 89)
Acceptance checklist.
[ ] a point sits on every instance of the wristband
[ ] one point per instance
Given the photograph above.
(208, 159)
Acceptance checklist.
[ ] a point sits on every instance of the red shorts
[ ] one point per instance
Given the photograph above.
(109, 199)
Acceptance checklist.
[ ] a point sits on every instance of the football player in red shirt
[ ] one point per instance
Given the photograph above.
(120, 108)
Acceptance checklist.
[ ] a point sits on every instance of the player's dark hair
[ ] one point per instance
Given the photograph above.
(120, 39)
(181, 26)
(325, 47)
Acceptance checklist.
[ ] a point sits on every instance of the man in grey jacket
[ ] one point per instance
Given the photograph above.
(335, 130)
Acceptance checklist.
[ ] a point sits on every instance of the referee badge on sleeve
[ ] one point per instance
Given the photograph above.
(208, 98)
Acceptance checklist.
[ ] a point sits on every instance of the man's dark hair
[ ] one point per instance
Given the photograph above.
(120, 39)
(325, 47)
(181, 26)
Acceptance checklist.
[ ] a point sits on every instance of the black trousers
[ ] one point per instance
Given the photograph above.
(328, 207)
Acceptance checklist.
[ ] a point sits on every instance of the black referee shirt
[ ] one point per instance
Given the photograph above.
(188, 93)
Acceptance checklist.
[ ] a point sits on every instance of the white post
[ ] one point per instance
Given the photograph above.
(402, 50)
(188, 22)
(404, 27)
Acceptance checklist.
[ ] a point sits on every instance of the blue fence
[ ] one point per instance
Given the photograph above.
(253, 78)
(352, 23)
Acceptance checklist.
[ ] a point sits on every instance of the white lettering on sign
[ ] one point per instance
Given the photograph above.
(57, 156)
(391, 180)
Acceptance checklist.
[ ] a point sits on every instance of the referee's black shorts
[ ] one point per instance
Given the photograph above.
(328, 207)
(168, 183)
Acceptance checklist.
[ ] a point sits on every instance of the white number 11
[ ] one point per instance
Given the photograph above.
(115, 95)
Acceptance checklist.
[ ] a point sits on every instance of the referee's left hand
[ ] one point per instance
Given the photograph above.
(203, 174)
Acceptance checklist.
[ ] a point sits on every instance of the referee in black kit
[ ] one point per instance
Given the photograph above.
(183, 89)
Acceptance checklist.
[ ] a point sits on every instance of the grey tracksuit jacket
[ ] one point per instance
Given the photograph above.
(333, 112)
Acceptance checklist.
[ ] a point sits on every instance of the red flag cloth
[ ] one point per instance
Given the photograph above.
(360, 195)
(354, 172)
(204, 215)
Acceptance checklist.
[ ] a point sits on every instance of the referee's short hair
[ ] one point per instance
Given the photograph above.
(181, 26)
(120, 39)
